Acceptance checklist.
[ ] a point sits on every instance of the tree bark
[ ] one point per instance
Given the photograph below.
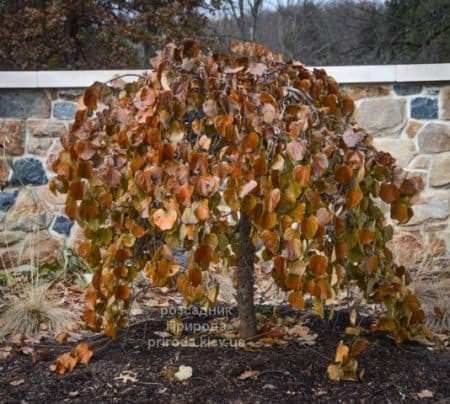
(245, 279)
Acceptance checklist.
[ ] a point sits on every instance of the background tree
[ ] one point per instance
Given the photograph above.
(85, 34)
(348, 31)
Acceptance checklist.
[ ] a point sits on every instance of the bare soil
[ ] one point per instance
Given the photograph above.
(293, 373)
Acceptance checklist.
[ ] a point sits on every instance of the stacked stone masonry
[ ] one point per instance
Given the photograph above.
(409, 120)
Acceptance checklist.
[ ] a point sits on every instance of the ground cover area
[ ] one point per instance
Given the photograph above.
(136, 368)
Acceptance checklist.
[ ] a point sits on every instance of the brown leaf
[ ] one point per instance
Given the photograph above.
(320, 164)
(296, 150)
(309, 227)
(358, 347)
(399, 211)
(343, 174)
(342, 352)
(271, 199)
(250, 142)
(318, 264)
(84, 149)
(354, 197)
(302, 174)
(91, 95)
(248, 374)
(389, 192)
(83, 353)
(296, 300)
(195, 276)
(17, 382)
(122, 292)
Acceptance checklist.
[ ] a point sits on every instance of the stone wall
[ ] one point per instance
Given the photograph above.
(411, 121)
(33, 223)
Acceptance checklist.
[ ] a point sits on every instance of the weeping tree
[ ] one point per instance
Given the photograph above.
(217, 154)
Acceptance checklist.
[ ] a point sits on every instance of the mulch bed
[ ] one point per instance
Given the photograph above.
(294, 373)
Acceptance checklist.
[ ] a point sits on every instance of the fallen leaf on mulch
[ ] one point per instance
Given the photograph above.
(184, 373)
(17, 382)
(425, 394)
(127, 376)
(248, 374)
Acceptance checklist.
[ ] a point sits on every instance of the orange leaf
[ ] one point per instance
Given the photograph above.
(195, 276)
(83, 353)
(184, 195)
(266, 98)
(332, 102)
(399, 211)
(202, 210)
(221, 123)
(71, 208)
(389, 192)
(260, 167)
(270, 241)
(358, 347)
(343, 174)
(91, 298)
(88, 210)
(250, 142)
(322, 289)
(342, 352)
(341, 249)
(85, 169)
(122, 292)
(110, 330)
(301, 174)
(354, 197)
(65, 363)
(164, 220)
(348, 106)
(296, 300)
(203, 254)
(293, 281)
(318, 264)
(309, 227)
(121, 272)
(84, 149)
(91, 95)
(366, 236)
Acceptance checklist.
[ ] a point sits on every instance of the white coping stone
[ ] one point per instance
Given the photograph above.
(343, 74)
(363, 74)
(80, 78)
(18, 79)
(426, 72)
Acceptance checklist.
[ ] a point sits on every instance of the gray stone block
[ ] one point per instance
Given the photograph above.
(24, 104)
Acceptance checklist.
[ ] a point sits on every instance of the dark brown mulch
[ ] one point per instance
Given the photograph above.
(296, 373)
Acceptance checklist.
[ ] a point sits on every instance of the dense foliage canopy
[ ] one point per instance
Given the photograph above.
(174, 159)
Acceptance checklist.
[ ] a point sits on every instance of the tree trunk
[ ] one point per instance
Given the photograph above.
(245, 281)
